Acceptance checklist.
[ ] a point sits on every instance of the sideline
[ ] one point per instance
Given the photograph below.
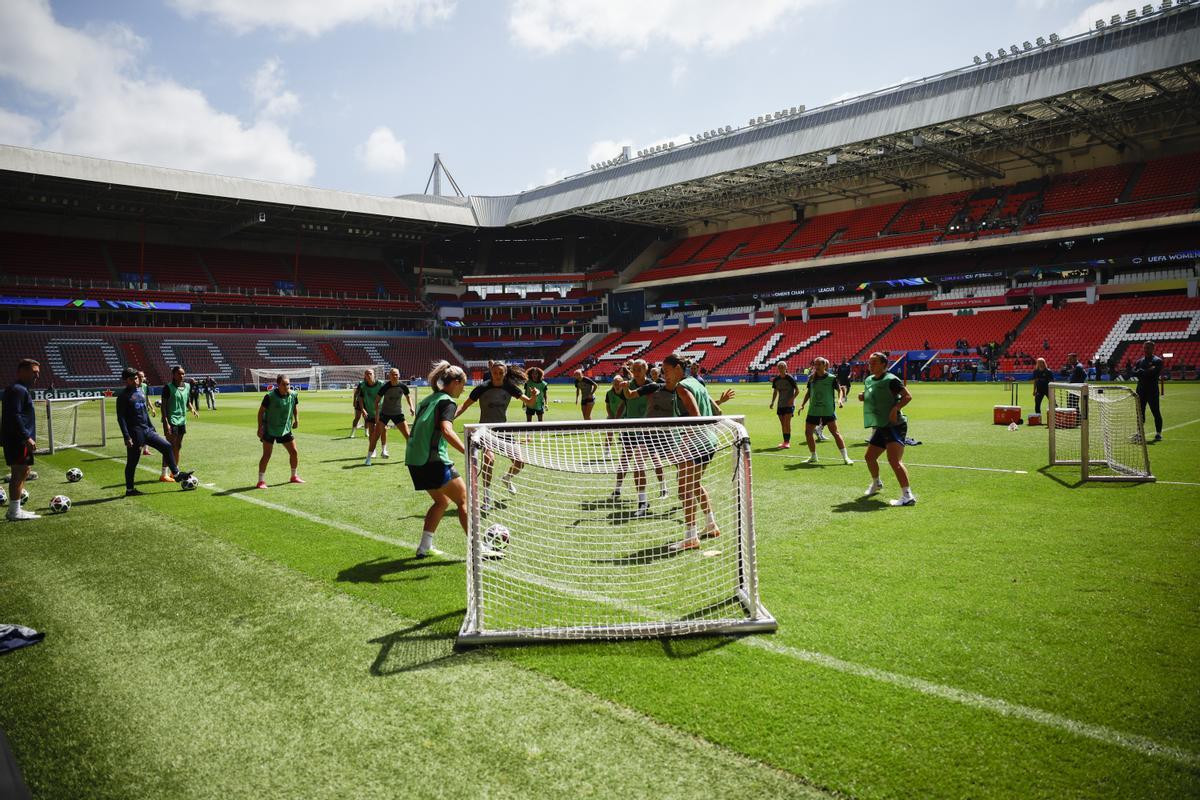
(910, 464)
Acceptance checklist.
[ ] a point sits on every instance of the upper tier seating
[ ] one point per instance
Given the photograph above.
(53, 257)
(161, 264)
(1165, 177)
(249, 269)
(941, 331)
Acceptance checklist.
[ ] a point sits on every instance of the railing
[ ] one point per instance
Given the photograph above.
(29, 281)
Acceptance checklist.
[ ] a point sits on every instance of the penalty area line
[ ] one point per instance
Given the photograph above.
(912, 464)
(345, 527)
(1099, 733)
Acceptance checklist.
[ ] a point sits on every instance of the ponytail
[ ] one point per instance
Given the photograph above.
(676, 360)
(445, 373)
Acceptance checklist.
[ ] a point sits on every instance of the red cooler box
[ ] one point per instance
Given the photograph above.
(1034, 419)
(1006, 415)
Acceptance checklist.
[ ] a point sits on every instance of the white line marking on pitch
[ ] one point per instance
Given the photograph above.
(937, 466)
(1139, 744)
(1178, 483)
(1182, 425)
(258, 501)
(1100, 733)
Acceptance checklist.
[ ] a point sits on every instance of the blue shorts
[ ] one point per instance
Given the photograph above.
(892, 434)
(18, 453)
(431, 476)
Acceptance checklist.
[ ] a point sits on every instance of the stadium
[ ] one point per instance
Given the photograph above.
(1027, 626)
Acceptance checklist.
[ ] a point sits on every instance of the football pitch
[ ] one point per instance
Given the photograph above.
(1015, 634)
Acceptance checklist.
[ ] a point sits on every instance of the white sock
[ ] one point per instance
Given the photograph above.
(262, 476)
(295, 472)
(844, 453)
(166, 471)
(813, 450)
(641, 497)
(371, 454)
(691, 534)
(906, 492)
(712, 521)
(426, 542)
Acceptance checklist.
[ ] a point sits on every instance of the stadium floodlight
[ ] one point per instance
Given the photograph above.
(1027, 45)
(1166, 5)
(978, 60)
(1099, 24)
(1147, 10)
(1041, 41)
(1014, 50)
(1116, 20)
(988, 55)
(1131, 15)
(1054, 36)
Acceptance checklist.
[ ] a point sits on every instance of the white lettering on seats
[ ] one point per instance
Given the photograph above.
(297, 358)
(621, 351)
(108, 354)
(372, 348)
(170, 351)
(698, 355)
(1121, 333)
(766, 357)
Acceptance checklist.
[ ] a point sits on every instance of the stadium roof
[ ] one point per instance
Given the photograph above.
(1117, 87)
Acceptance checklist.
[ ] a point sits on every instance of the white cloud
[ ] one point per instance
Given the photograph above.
(633, 25)
(315, 17)
(383, 152)
(18, 129)
(105, 108)
(267, 87)
(1086, 19)
(604, 149)
(679, 70)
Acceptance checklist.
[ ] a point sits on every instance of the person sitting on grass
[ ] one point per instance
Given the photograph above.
(883, 396)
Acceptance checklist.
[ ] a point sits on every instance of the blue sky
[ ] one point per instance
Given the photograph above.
(357, 95)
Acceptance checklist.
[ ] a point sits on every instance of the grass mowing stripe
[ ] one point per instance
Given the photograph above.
(329, 523)
(1101, 733)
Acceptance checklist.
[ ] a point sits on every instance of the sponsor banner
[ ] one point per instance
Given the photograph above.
(1145, 286)
(968, 302)
(901, 301)
(66, 394)
(1044, 291)
(121, 305)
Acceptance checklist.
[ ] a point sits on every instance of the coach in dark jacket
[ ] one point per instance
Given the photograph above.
(137, 430)
(1148, 370)
(18, 431)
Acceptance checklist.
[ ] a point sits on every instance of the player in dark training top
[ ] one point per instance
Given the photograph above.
(585, 392)
(426, 454)
(133, 417)
(883, 395)
(493, 395)
(784, 389)
(390, 404)
(18, 432)
(826, 396)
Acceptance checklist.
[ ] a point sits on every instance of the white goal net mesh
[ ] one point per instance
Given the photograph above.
(1100, 429)
(73, 422)
(316, 378)
(579, 562)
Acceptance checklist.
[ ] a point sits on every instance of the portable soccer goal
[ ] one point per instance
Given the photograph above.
(64, 423)
(558, 557)
(1099, 429)
(316, 377)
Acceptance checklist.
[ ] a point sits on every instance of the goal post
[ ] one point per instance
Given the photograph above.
(1098, 428)
(560, 558)
(71, 422)
(316, 377)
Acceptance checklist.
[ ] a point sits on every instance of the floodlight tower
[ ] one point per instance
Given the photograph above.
(435, 178)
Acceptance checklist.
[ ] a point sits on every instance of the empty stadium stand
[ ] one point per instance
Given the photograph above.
(942, 331)
(93, 357)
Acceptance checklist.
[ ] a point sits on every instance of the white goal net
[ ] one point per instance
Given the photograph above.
(315, 378)
(70, 422)
(1099, 428)
(561, 558)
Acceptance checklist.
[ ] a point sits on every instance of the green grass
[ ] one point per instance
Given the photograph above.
(200, 645)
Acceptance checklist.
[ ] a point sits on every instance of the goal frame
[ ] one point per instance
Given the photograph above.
(47, 409)
(1085, 462)
(758, 619)
(316, 374)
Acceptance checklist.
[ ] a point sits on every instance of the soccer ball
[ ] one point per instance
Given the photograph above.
(189, 483)
(24, 496)
(3, 498)
(74, 475)
(60, 504)
(496, 537)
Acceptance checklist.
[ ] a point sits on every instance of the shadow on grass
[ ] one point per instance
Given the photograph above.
(692, 646)
(859, 505)
(97, 501)
(769, 450)
(428, 644)
(237, 490)
(377, 569)
(1046, 472)
(339, 460)
(148, 481)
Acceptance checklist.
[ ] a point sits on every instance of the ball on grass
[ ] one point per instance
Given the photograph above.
(496, 537)
(74, 475)
(60, 504)
(189, 483)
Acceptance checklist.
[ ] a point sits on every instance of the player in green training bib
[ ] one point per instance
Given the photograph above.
(635, 449)
(427, 456)
(883, 395)
(693, 400)
(369, 390)
(536, 380)
(174, 417)
(826, 397)
(278, 417)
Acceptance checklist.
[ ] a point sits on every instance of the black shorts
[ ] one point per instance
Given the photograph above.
(287, 437)
(892, 434)
(811, 420)
(433, 475)
(843, 382)
(587, 401)
(395, 419)
(531, 412)
(369, 418)
(785, 411)
(18, 453)
(179, 430)
(703, 458)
